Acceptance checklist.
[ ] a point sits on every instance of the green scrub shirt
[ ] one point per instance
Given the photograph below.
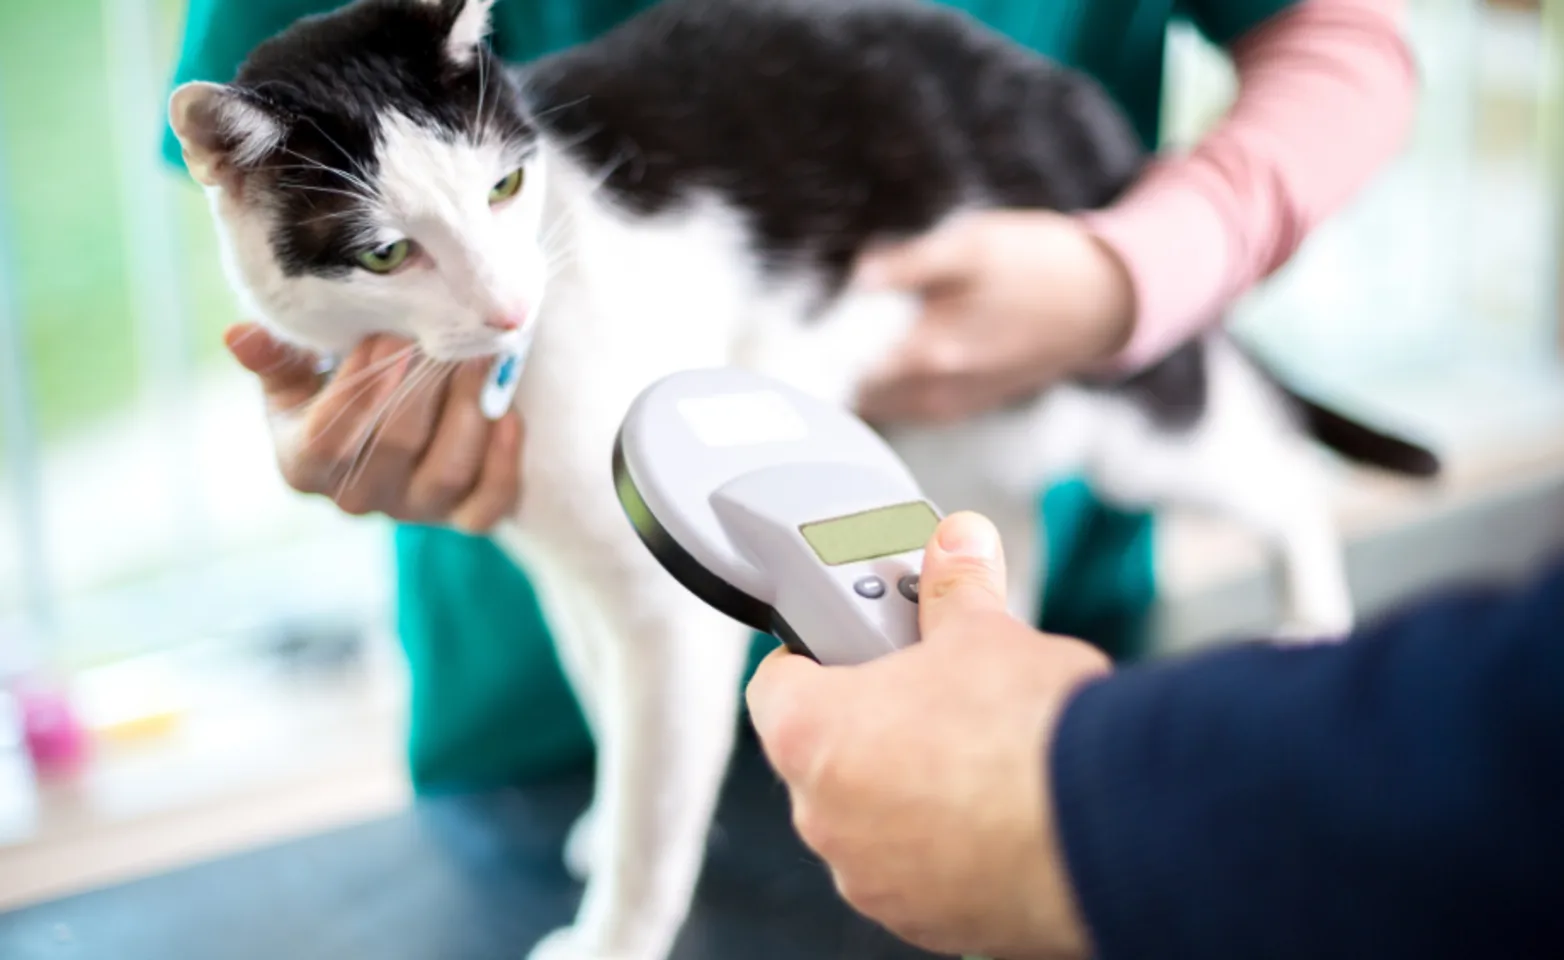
(489, 703)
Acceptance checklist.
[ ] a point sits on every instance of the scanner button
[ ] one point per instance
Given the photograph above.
(908, 586)
(870, 588)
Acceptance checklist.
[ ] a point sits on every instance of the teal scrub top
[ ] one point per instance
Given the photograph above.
(489, 703)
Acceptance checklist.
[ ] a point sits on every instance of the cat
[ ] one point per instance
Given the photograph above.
(692, 189)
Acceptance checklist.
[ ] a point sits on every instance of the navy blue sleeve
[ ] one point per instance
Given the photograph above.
(1398, 795)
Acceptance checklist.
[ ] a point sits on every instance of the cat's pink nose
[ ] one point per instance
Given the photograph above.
(506, 320)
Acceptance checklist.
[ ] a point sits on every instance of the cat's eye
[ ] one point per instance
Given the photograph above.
(384, 259)
(506, 188)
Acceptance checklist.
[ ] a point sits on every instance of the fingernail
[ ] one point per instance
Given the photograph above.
(969, 535)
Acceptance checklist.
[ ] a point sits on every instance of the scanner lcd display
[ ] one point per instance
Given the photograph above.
(883, 532)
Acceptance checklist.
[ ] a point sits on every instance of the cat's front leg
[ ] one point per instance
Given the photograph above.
(665, 676)
(663, 670)
(670, 686)
(580, 636)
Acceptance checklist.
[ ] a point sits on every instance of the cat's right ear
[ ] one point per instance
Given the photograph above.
(221, 131)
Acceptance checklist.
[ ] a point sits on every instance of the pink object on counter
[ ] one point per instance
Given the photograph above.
(1327, 91)
(55, 740)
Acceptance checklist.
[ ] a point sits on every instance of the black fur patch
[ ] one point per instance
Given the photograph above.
(1174, 391)
(832, 125)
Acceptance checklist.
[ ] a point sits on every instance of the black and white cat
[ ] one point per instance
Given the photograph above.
(691, 190)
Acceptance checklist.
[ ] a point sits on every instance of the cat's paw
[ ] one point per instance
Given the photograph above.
(583, 845)
(571, 943)
(562, 944)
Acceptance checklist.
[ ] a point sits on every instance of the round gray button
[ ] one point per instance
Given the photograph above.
(908, 586)
(872, 588)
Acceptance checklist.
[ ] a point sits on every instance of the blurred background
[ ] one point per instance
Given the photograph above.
(227, 643)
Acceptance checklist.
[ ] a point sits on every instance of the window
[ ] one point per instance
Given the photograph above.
(1433, 300)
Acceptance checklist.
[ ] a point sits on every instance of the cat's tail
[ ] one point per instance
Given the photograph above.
(1362, 443)
(1351, 438)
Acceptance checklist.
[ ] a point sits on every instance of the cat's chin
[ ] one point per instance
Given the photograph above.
(461, 352)
(439, 355)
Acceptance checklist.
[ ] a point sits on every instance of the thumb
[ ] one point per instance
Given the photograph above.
(963, 574)
(288, 376)
(938, 258)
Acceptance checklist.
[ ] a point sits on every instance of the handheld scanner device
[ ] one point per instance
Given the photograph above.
(784, 512)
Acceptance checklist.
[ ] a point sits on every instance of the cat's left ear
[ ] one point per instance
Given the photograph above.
(469, 26)
(222, 131)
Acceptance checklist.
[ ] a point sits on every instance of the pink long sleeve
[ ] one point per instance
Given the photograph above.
(1327, 91)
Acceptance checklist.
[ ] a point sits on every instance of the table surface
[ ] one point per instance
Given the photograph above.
(457, 878)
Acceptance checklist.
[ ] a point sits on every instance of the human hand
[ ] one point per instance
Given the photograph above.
(386, 436)
(920, 777)
(1013, 300)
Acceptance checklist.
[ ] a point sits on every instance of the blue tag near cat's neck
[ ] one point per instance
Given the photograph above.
(500, 390)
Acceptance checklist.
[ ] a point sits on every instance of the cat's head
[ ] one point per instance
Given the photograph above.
(373, 171)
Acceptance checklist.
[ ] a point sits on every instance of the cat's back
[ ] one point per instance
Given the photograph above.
(830, 124)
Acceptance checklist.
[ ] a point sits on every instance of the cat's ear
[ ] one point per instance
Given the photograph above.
(221, 130)
(469, 25)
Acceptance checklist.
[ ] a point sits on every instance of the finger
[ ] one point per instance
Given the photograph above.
(405, 430)
(789, 712)
(449, 470)
(934, 354)
(287, 374)
(400, 426)
(340, 425)
(923, 399)
(499, 483)
(963, 575)
(366, 378)
(939, 258)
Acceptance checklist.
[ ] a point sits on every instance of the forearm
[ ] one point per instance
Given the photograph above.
(1327, 92)
(1394, 796)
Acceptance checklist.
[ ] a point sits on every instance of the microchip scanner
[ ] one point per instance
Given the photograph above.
(782, 511)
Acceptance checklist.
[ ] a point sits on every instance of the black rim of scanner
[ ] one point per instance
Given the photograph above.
(707, 586)
(678, 561)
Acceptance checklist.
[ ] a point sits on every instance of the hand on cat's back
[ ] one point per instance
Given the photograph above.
(1013, 300)
(378, 438)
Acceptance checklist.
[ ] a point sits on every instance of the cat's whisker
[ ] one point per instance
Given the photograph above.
(365, 190)
(338, 215)
(555, 245)
(310, 163)
(314, 189)
(362, 382)
(556, 234)
(359, 170)
(483, 85)
(554, 258)
(370, 434)
(556, 108)
(428, 374)
(565, 250)
(256, 330)
(377, 367)
(290, 354)
(554, 262)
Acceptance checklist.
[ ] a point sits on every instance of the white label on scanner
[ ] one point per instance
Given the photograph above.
(737, 419)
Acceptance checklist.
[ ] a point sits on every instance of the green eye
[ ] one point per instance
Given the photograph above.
(387, 258)
(506, 188)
